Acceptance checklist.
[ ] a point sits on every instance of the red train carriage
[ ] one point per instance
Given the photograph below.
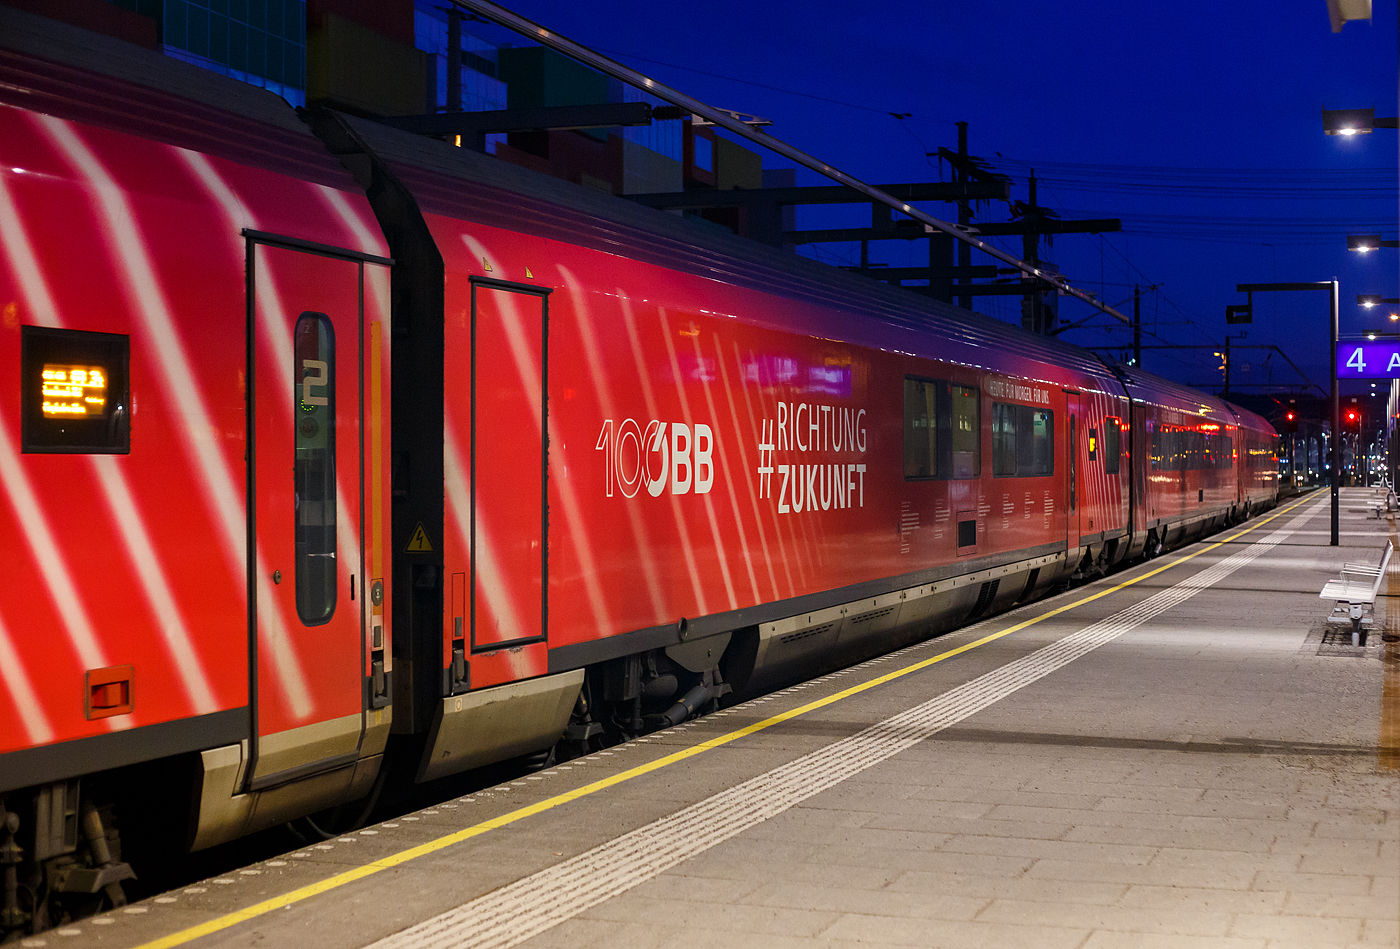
(193, 437)
(1204, 462)
(1257, 462)
(613, 466)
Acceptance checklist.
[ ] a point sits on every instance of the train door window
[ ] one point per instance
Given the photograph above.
(920, 428)
(1042, 439)
(1073, 467)
(74, 391)
(314, 467)
(965, 431)
(1003, 439)
(1112, 448)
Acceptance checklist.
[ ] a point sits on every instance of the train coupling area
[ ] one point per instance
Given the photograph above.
(1182, 754)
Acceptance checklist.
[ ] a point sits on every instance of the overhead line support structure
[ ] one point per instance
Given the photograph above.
(512, 21)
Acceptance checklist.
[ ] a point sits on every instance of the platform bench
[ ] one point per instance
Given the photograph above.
(1354, 595)
(1383, 505)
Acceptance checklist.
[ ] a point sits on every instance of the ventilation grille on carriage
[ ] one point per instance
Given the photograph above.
(805, 633)
(873, 614)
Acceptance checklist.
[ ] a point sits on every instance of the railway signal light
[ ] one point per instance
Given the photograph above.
(1290, 422)
(1352, 420)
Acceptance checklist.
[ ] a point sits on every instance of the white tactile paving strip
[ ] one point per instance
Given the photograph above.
(515, 913)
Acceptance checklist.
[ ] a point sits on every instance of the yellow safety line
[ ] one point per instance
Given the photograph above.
(432, 846)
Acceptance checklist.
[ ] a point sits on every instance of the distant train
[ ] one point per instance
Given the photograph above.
(330, 446)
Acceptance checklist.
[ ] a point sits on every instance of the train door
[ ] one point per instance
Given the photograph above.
(508, 598)
(1072, 495)
(306, 450)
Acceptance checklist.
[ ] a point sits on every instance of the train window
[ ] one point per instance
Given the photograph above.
(313, 395)
(1169, 449)
(1003, 439)
(1042, 442)
(75, 391)
(920, 428)
(1023, 441)
(1112, 449)
(965, 431)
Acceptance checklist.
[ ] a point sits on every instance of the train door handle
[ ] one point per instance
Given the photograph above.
(277, 576)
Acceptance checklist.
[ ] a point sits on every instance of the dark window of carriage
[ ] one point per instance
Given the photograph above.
(942, 437)
(920, 428)
(314, 468)
(75, 391)
(1023, 441)
(1112, 447)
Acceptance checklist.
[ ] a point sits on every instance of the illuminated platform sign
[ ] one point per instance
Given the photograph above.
(1379, 359)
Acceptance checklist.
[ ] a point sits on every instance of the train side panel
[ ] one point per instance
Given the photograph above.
(124, 442)
(702, 460)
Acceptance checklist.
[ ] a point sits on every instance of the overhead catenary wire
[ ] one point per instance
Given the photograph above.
(610, 67)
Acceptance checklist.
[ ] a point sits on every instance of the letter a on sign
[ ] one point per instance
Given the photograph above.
(419, 542)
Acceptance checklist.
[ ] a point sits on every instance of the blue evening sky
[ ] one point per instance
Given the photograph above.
(1198, 125)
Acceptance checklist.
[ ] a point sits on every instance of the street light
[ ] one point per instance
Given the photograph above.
(1365, 243)
(1354, 121)
(1369, 300)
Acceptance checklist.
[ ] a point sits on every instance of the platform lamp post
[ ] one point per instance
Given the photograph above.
(1372, 300)
(1355, 121)
(1365, 243)
(1336, 447)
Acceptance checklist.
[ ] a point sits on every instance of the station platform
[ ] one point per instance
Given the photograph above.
(1182, 754)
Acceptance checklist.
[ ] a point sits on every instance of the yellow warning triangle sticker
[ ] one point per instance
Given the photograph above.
(528, 275)
(419, 542)
(487, 264)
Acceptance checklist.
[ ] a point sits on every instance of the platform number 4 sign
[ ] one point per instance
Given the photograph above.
(1372, 360)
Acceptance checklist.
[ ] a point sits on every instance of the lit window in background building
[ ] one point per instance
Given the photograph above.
(261, 42)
